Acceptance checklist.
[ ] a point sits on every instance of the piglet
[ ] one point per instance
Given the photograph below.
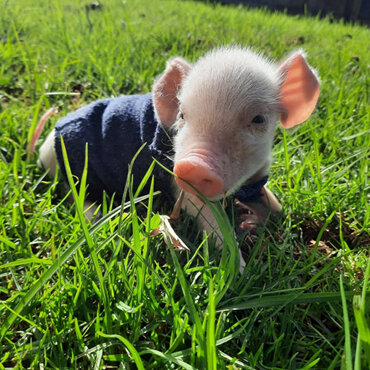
(212, 122)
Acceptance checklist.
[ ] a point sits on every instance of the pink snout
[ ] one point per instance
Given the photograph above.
(198, 173)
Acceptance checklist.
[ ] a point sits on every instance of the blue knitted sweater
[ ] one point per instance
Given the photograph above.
(115, 129)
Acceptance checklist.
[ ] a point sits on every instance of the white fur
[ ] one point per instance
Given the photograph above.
(219, 98)
(215, 101)
(47, 157)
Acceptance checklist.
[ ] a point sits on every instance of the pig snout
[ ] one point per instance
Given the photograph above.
(200, 173)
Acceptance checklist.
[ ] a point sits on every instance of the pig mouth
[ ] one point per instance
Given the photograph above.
(203, 185)
(196, 174)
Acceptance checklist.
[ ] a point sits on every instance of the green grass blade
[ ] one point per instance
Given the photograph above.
(347, 330)
(79, 200)
(210, 336)
(359, 308)
(134, 353)
(285, 299)
(168, 358)
(194, 314)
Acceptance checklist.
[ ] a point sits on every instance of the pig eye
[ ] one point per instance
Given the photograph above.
(180, 115)
(258, 119)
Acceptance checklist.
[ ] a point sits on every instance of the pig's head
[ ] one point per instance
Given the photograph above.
(224, 110)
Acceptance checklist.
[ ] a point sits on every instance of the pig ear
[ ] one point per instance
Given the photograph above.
(299, 91)
(166, 88)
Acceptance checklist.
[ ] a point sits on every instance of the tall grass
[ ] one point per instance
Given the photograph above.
(75, 294)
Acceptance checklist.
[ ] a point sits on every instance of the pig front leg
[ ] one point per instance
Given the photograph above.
(195, 207)
(268, 204)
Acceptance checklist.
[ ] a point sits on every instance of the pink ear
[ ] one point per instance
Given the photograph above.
(166, 88)
(299, 91)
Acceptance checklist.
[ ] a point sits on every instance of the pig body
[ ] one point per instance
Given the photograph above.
(222, 114)
(115, 129)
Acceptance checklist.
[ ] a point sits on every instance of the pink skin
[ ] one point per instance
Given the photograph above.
(197, 171)
(201, 166)
(198, 166)
(219, 144)
(215, 108)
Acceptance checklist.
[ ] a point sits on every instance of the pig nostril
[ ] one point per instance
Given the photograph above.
(206, 184)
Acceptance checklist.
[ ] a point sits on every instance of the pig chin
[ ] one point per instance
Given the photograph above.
(252, 174)
(226, 191)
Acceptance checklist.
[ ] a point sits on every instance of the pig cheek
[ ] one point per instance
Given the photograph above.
(229, 166)
(181, 142)
(246, 153)
(245, 161)
(255, 159)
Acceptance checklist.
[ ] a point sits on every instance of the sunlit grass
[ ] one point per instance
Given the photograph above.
(75, 294)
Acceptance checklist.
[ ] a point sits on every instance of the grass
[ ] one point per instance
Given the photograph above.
(77, 295)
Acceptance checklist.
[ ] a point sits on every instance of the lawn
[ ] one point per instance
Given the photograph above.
(81, 295)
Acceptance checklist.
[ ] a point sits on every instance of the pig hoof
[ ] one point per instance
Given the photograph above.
(250, 223)
(246, 219)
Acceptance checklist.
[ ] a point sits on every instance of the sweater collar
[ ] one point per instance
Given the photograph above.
(251, 192)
